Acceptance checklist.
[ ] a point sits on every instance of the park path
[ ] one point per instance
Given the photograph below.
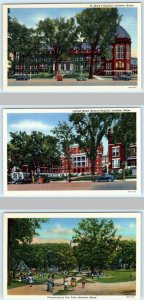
(95, 288)
(98, 288)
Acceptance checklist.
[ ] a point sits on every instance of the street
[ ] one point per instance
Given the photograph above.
(68, 186)
(116, 185)
(71, 82)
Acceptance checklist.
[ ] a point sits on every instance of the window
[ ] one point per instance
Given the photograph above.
(117, 51)
(80, 161)
(109, 66)
(121, 52)
(115, 151)
(127, 52)
(116, 163)
(108, 73)
(127, 66)
(119, 64)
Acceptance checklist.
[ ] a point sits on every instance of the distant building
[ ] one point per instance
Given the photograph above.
(134, 67)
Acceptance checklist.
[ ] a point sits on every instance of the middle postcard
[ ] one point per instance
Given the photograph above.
(77, 152)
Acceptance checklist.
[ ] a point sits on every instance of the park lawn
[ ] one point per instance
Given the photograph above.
(64, 292)
(16, 284)
(39, 280)
(117, 276)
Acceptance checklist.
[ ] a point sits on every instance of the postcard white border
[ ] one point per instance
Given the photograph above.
(73, 193)
(73, 88)
(136, 215)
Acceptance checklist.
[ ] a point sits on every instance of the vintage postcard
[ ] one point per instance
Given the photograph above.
(77, 152)
(72, 47)
(66, 255)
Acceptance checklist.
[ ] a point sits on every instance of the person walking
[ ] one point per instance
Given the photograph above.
(30, 280)
(49, 284)
(73, 282)
(83, 282)
(65, 282)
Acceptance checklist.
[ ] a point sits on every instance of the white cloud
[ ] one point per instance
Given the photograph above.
(119, 227)
(29, 126)
(131, 226)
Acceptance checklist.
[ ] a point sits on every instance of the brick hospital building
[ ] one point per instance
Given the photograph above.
(119, 61)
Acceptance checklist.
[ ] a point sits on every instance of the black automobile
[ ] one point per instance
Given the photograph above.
(122, 77)
(105, 177)
(22, 77)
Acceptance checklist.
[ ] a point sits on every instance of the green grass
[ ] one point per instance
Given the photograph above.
(117, 276)
(39, 280)
(16, 284)
(64, 292)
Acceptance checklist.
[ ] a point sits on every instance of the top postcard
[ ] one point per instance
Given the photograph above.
(72, 47)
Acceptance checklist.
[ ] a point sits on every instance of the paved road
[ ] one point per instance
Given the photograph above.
(67, 186)
(71, 82)
(116, 185)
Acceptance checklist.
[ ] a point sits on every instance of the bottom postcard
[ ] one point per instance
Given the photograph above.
(72, 255)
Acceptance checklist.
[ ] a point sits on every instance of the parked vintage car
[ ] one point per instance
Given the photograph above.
(22, 77)
(122, 77)
(21, 181)
(106, 177)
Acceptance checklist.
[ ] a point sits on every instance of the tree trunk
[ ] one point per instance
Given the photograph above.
(93, 168)
(69, 170)
(56, 66)
(91, 66)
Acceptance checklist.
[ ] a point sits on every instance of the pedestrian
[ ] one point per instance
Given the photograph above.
(73, 282)
(65, 282)
(49, 284)
(30, 278)
(83, 282)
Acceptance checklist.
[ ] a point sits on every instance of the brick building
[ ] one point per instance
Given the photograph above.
(119, 61)
(116, 155)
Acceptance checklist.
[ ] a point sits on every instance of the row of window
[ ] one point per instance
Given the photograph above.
(120, 51)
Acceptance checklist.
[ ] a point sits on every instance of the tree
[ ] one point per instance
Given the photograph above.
(48, 255)
(64, 133)
(90, 128)
(20, 231)
(124, 131)
(97, 26)
(35, 150)
(58, 36)
(96, 241)
(126, 254)
(22, 43)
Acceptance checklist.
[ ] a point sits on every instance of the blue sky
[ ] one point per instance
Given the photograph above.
(61, 229)
(31, 16)
(43, 122)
